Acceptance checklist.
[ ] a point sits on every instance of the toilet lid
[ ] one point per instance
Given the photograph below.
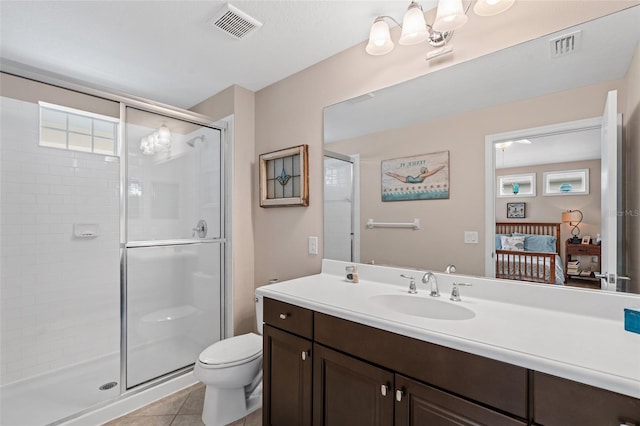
(234, 350)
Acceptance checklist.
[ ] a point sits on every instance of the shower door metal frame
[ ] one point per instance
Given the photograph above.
(225, 227)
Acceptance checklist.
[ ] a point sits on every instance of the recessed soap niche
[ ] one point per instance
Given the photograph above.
(86, 230)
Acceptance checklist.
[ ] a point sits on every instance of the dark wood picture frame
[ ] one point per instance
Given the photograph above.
(289, 185)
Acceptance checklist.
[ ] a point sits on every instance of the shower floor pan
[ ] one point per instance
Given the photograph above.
(53, 396)
(48, 398)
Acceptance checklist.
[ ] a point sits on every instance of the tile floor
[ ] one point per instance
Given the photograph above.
(183, 408)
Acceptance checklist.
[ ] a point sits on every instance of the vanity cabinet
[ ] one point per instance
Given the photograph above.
(347, 391)
(287, 365)
(562, 402)
(322, 370)
(419, 405)
(482, 380)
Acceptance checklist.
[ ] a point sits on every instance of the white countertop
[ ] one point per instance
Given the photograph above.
(578, 335)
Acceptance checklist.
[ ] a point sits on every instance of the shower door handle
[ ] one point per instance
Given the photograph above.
(200, 229)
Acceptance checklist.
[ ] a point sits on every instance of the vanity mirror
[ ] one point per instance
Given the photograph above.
(455, 109)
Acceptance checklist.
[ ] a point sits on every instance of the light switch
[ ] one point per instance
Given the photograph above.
(313, 245)
(470, 237)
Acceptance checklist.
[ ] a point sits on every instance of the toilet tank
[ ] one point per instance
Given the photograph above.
(259, 316)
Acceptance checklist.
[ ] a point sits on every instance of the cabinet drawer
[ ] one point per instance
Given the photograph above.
(558, 401)
(291, 318)
(480, 379)
(586, 249)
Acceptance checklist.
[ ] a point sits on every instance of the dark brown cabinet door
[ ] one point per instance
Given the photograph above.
(287, 379)
(562, 402)
(350, 392)
(420, 405)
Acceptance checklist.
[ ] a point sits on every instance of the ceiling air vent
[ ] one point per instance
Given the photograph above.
(235, 22)
(565, 44)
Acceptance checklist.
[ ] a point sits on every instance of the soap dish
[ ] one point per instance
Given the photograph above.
(632, 320)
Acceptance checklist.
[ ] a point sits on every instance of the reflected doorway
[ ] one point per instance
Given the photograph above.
(555, 138)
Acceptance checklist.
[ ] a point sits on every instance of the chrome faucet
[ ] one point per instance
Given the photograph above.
(428, 276)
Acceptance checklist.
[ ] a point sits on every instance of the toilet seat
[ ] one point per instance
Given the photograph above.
(232, 351)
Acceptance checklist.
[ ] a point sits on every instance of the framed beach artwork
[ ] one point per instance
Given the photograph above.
(421, 177)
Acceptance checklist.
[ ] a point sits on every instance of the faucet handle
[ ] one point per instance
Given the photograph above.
(455, 292)
(412, 283)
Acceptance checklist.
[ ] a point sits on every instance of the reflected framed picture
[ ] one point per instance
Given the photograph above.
(284, 177)
(586, 239)
(515, 210)
(421, 177)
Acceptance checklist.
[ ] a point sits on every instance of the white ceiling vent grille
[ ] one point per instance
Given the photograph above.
(565, 44)
(235, 22)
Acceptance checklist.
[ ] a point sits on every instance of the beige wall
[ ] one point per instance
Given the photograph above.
(289, 113)
(631, 173)
(240, 103)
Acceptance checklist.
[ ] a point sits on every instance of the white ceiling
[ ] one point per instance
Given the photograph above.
(167, 51)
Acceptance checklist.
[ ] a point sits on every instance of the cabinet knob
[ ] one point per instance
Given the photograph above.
(283, 316)
(305, 355)
(384, 389)
(399, 395)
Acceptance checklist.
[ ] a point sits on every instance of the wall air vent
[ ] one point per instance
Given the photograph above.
(235, 22)
(566, 44)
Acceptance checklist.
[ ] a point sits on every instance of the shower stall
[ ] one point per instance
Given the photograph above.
(113, 252)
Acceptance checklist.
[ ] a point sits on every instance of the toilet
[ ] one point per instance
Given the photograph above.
(231, 369)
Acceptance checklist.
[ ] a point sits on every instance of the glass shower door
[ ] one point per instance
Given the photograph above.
(338, 209)
(174, 246)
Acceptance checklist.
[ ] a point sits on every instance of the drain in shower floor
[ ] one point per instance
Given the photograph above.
(108, 386)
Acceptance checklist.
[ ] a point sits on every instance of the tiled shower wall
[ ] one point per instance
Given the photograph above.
(59, 294)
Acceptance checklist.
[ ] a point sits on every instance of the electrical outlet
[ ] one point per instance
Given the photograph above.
(470, 237)
(313, 245)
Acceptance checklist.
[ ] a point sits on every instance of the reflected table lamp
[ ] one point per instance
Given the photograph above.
(573, 218)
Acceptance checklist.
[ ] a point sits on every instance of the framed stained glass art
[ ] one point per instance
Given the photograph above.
(284, 177)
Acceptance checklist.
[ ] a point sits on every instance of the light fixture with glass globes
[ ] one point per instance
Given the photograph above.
(450, 15)
(157, 141)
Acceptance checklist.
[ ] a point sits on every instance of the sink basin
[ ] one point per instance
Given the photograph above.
(411, 304)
